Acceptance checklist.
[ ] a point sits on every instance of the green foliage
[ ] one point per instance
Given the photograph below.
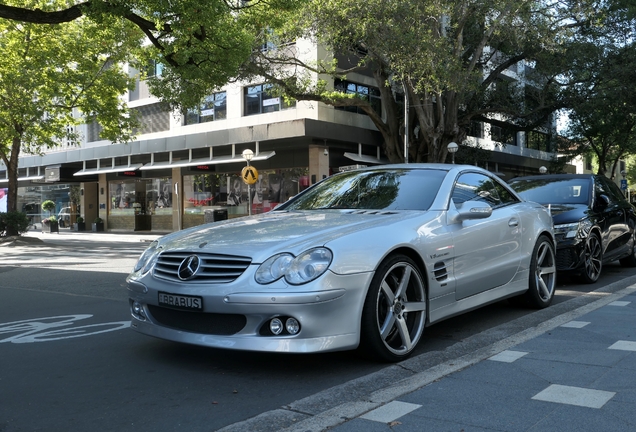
(98, 220)
(48, 205)
(57, 76)
(13, 222)
(450, 57)
(80, 219)
(208, 43)
(602, 121)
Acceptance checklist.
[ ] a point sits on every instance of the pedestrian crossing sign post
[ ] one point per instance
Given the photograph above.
(249, 174)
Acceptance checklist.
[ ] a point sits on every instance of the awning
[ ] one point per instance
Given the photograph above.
(116, 169)
(367, 159)
(233, 158)
(29, 178)
(108, 169)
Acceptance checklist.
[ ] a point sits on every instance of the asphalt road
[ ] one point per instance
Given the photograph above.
(68, 360)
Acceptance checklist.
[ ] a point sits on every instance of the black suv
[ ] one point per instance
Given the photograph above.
(593, 222)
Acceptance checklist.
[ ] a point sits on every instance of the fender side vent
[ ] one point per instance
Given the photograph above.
(441, 273)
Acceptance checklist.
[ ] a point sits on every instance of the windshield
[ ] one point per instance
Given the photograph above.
(382, 189)
(553, 190)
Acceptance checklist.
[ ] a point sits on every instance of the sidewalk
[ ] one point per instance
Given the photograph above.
(577, 376)
(88, 236)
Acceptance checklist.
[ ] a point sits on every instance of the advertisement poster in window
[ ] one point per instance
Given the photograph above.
(3, 199)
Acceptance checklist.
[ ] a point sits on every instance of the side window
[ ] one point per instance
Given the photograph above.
(505, 196)
(475, 187)
(601, 187)
(615, 194)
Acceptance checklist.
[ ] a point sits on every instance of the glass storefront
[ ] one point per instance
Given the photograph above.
(228, 191)
(147, 204)
(140, 205)
(65, 197)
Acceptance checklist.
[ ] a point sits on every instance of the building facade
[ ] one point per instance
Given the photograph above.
(184, 166)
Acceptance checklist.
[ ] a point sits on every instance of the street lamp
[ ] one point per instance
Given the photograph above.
(248, 155)
(543, 170)
(452, 149)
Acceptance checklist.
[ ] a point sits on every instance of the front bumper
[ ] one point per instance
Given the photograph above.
(234, 315)
(570, 254)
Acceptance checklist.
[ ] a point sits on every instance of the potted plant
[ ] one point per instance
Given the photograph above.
(98, 224)
(49, 225)
(48, 206)
(80, 225)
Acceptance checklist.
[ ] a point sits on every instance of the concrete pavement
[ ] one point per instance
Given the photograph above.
(577, 372)
(34, 236)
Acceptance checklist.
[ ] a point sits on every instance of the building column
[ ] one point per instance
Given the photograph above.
(89, 202)
(318, 163)
(177, 199)
(102, 199)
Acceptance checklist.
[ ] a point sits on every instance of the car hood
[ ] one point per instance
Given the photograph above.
(261, 236)
(568, 213)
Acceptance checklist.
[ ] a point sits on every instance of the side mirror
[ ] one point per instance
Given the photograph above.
(603, 201)
(470, 210)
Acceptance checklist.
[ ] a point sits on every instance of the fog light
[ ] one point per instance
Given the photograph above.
(138, 309)
(276, 326)
(292, 326)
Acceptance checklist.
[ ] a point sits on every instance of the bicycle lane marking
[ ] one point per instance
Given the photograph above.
(49, 329)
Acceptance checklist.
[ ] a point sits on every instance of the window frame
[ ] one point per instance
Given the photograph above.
(494, 191)
(369, 93)
(218, 99)
(276, 103)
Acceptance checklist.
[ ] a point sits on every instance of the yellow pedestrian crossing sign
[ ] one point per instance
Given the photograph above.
(249, 174)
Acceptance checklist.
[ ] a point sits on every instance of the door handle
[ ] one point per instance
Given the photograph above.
(513, 222)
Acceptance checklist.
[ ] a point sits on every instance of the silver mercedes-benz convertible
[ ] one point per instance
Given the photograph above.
(363, 259)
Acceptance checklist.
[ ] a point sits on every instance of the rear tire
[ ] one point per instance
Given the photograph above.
(394, 313)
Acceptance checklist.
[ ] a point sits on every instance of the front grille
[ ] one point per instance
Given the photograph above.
(198, 322)
(566, 259)
(215, 268)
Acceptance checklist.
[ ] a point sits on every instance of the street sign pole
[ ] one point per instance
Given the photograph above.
(248, 155)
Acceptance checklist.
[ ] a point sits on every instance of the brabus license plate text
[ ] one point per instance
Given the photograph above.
(180, 301)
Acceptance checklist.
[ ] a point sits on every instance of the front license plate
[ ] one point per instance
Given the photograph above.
(181, 301)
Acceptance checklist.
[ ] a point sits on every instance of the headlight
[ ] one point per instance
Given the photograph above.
(579, 229)
(146, 257)
(296, 270)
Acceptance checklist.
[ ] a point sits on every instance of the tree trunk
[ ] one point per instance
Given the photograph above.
(12, 172)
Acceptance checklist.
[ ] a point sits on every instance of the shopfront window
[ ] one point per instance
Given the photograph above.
(122, 199)
(158, 196)
(228, 191)
(4, 192)
(153, 196)
(63, 195)
(141, 205)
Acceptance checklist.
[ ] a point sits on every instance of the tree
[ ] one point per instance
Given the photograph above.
(456, 61)
(448, 57)
(53, 77)
(602, 117)
(202, 44)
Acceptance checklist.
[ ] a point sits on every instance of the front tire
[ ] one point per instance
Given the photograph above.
(394, 313)
(592, 259)
(542, 283)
